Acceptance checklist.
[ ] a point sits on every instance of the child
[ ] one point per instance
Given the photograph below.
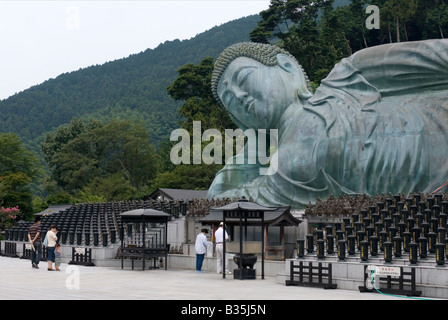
(51, 238)
(57, 256)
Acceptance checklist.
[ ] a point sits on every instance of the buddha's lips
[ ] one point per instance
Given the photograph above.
(249, 105)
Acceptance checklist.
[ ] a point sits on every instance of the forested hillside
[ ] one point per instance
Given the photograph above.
(129, 88)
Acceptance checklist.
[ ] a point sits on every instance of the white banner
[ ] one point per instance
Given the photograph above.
(80, 250)
(388, 271)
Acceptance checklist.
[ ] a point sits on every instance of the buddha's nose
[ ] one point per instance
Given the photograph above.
(241, 95)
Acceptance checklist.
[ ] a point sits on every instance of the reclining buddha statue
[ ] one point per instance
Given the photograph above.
(378, 123)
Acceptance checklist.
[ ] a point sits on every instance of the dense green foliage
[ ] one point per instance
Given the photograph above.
(18, 168)
(113, 160)
(193, 87)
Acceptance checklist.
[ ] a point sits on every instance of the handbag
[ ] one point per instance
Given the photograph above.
(45, 241)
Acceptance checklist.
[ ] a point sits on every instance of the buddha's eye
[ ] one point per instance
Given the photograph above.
(243, 76)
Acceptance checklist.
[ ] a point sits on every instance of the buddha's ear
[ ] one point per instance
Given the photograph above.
(287, 63)
(290, 65)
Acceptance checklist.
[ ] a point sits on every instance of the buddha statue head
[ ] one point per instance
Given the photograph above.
(256, 83)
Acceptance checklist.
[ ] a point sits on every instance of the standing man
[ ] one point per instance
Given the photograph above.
(220, 238)
(36, 242)
(201, 249)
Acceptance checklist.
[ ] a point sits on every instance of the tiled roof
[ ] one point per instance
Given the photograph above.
(179, 194)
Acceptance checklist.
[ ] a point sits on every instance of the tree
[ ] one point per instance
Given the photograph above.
(8, 216)
(192, 86)
(99, 151)
(18, 168)
(275, 22)
(114, 187)
(332, 41)
(124, 147)
(354, 18)
(399, 13)
(58, 197)
(194, 177)
(437, 15)
(54, 142)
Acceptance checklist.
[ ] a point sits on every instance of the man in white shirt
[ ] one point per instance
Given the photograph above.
(201, 249)
(219, 238)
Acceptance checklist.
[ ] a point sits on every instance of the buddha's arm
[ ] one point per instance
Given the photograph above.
(407, 67)
(235, 174)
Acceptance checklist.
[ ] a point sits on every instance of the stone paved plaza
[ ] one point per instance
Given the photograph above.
(20, 281)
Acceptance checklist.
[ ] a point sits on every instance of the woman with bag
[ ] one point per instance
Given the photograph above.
(51, 239)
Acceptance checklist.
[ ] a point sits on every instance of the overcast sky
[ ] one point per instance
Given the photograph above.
(40, 40)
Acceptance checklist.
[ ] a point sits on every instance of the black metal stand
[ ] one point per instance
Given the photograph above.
(324, 275)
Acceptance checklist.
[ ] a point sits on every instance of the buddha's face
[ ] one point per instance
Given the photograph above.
(256, 94)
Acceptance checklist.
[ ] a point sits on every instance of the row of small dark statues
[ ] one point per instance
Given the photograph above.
(346, 205)
(194, 207)
(416, 224)
(336, 206)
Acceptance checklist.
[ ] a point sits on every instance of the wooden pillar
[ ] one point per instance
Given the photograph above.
(282, 240)
(265, 240)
